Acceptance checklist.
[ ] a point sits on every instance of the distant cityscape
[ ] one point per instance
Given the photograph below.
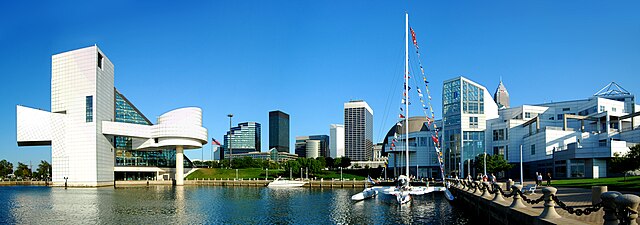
(566, 138)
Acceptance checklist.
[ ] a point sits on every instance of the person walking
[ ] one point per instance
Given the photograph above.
(548, 179)
(493, 178)
(539, 178)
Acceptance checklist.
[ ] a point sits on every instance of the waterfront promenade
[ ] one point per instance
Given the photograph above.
(501, 211)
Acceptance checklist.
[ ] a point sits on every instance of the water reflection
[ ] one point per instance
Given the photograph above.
(215, 205)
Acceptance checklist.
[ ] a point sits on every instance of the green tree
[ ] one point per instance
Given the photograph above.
(293, 166)
(330, 162)
(6, 168)
(322, 161)
(44, 170)
(495, 163)
(22, 170)
(345, 162)
(627, 162)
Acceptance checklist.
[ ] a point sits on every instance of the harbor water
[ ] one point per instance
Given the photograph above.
(215, 205)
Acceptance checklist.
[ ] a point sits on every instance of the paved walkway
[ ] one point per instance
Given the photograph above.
(579, 198)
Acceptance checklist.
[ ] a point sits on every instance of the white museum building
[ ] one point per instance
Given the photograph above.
(97, 135)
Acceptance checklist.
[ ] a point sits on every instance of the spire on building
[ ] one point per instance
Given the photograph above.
(501, 97)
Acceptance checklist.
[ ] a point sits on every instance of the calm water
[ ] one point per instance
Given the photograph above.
(215, 205)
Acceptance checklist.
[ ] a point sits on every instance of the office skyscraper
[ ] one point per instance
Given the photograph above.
(279, 131)
(245, 138)
(336, 140)
(358, 129)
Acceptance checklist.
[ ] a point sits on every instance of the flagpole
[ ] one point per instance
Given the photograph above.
(406, 91)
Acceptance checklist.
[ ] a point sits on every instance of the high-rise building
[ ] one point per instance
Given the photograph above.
(303, 141)
(279, 131)
(358, 128)
(97, 135)
(466, 106)
(501, 96)
(336, 140)
(244, 138)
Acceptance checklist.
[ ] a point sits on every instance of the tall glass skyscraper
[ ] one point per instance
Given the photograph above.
(279, 131)
(358, 130)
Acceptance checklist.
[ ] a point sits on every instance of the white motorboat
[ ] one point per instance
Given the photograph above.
(281, 183)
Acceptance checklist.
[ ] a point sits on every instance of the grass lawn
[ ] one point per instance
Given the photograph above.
(612, 183)
(217, 173)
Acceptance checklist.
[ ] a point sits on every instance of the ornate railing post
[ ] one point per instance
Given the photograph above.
(627, 205)
(609, 207)
(517, 200)
(466, 186)
(549, 211)
(497, 196)
(485, 190)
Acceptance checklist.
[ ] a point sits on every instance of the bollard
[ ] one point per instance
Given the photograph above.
(517, 200)
(609, 207)
(596, 191)
(549, 211)
(627, 205)
(477, 185)
(497, 196)
(509, 183)
(485, 191)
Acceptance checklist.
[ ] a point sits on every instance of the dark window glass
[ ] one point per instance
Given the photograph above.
(89, 106)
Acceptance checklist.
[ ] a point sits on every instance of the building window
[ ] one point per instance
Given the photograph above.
(527, 115)
(566, 109)
(613, 109)
(560, 116)
(533, 149)
(89, 106)
(601, 108)
(499, 135)
(100, 59)
(473, 122)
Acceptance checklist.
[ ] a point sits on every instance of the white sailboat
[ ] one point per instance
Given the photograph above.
(403, 189)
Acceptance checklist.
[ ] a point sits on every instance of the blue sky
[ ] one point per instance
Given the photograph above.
(309, 57)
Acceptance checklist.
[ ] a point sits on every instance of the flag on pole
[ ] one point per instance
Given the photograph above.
(213, 141)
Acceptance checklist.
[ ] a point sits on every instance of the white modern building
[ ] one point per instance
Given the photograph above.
(96, 134)
(358, 130)
(570, 138)
(336, 140)
(466, 108)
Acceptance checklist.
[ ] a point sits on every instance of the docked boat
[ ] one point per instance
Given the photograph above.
(281, 183)
(367, 193)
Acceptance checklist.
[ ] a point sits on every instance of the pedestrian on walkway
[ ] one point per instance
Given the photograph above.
(493, 178)
(548, 179)
(539, 179)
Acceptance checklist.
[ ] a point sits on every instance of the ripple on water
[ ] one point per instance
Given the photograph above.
(215, 205)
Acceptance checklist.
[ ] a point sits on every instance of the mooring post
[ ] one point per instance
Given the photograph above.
(627, 205)
(485, 191)
(517, 200)
(497, 196)
(549, 211)
(477, 189)
(609, 207)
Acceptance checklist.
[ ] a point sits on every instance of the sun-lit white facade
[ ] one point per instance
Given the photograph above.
(568, 138)
(89, 125)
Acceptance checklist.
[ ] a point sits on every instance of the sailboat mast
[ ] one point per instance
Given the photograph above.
(406, 91)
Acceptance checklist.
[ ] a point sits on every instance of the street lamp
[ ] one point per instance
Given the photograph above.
(229, 141)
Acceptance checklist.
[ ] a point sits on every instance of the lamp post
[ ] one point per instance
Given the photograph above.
(449, 161)
(521, 178)
(229, 140)
(485, 162)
